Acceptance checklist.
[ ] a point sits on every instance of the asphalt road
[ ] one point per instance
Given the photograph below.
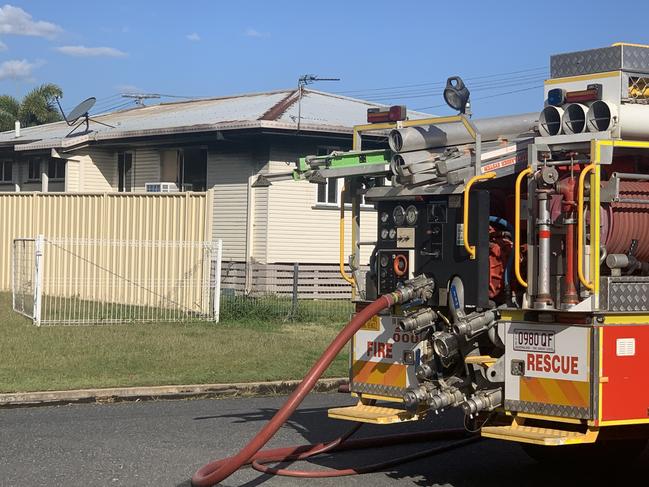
(162, 443)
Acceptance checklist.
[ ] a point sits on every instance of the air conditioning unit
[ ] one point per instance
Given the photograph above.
(161, 187)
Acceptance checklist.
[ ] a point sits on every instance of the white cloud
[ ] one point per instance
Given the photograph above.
(250, 32)
(194, 37)
(17, 69)
(14, 20)
(3, 46)
(83, 51)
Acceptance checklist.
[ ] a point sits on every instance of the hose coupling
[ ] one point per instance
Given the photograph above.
(475, 323)
(483, 401)
(417, 320)
(421, 287)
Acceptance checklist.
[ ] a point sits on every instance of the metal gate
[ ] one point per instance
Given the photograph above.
(25, 271)
(87, 281)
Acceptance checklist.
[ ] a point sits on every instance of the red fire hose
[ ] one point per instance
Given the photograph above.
(218, 470)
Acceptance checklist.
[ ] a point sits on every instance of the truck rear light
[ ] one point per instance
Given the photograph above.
(394, 113)
(591, 93)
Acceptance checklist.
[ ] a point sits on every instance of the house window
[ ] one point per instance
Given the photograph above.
(56, 168)
(187, 167)
(327, 192)
(34, 170)
(124, 172)
(6, 171)
(193, 169)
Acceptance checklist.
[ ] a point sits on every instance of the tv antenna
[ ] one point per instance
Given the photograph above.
(79, 115)
(140, 97)
(306, 79)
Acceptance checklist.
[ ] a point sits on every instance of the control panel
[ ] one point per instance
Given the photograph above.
(426, 237)
(394, 267)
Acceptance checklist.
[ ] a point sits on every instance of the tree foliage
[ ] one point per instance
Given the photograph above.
(36, 108)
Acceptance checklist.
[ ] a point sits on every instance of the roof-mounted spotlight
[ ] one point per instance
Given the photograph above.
(456, 94)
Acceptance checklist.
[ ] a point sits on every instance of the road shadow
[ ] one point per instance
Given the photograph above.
(488, 463)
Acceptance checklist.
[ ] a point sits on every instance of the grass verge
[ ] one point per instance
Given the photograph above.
(74, 357)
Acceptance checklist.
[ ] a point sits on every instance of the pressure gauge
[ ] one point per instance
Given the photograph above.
(384, 233)
(399, 215)
(393, 233)
(384, 260)
(411, 215)
(385, 217)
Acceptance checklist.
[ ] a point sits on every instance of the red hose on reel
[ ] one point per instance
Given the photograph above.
(218, 470)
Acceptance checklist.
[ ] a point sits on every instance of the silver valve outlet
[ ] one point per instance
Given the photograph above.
(474, 323)
(419, 319)
(446, 344)
(414, 397)
(483, 401)
(445, 398)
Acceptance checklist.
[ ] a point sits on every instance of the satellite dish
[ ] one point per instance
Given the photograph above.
(81, 111)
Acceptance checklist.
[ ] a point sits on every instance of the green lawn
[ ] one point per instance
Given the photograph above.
(70, 357)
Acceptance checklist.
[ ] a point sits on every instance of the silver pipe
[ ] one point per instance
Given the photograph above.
(566, 162)
(543, 300)
(413, 162)
(550, 121)
(445, 134)
(628, 175)
(573, 120)
(629, 120)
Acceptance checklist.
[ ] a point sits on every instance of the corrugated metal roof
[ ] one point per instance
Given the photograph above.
(319, 111)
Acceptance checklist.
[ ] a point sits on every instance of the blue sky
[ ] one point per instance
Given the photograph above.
(379, 49)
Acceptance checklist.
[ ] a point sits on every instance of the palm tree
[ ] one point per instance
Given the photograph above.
(9, 112)
(36, 108)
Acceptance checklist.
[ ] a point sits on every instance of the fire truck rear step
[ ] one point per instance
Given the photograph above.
(372, 414)
(538, 435)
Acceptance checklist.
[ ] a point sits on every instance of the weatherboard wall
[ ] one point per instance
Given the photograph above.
(300, 230)
(97, 170)
(228, 174)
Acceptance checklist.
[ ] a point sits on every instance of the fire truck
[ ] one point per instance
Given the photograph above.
(511, 262)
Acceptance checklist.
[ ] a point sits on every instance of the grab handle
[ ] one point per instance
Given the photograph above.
(465, 228)
(580, 228)
(517, 226)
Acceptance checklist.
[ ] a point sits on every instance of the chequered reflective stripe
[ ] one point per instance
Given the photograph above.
(557, 410)
(379, 390)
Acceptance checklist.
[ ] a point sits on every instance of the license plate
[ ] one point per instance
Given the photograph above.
(534, 340)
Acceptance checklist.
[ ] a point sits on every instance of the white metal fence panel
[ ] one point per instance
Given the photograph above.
(23, 280)
(89, 281)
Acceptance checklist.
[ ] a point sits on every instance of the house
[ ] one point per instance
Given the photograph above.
(221, 143)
